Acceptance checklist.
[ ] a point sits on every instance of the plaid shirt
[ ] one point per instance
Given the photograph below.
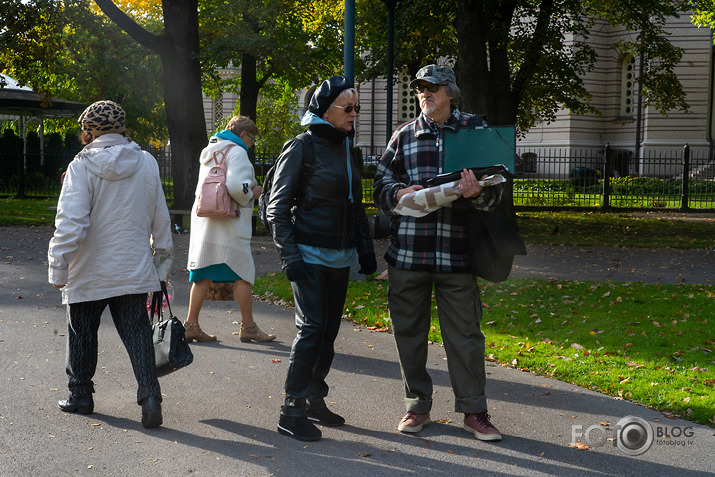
(438, 241)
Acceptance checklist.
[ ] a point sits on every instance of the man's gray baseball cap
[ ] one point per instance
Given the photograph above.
(433, 74)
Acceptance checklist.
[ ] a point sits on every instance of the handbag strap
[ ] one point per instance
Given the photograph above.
(223, 153)
(165, 293)
(155, 309)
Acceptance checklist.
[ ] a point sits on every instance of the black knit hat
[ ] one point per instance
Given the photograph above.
(326, 93)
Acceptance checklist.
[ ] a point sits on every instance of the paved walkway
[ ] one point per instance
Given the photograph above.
(220, 413)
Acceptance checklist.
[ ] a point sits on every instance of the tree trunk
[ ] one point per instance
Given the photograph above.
(249, 86)
(483, 73)
(182, 97)
(178, 49)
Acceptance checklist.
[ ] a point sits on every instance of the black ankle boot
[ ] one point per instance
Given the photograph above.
(151, 412)
(325, 416)
(80, 404)
(293, 422)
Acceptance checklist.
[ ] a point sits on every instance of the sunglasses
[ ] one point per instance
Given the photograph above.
(431, 87)
(349, 108)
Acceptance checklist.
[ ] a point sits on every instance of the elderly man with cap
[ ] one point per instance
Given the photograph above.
(112, 245)
(432, 251)
(319, 224)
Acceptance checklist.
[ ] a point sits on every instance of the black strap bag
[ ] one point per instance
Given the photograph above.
(493, 242)
(171, 350)
(493, 236)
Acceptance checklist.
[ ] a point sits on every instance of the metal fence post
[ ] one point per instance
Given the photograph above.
(686, 172)
(606, 179)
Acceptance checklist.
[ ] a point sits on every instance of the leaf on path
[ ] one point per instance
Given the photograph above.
(365, 454)
(580, 446)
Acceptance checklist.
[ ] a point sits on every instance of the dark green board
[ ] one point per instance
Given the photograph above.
(483, 147)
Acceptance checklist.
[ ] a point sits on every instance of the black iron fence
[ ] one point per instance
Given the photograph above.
(602, 179)
(606, 178)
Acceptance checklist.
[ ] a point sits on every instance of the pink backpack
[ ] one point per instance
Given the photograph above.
(214, 200)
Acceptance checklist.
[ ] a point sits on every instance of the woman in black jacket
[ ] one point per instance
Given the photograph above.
(319, 224)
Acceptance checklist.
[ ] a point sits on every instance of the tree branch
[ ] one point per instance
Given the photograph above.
(149, 40)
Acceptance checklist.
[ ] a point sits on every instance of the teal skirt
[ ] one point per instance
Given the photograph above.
(219, 273)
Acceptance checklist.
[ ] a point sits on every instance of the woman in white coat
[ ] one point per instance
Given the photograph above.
(112, 245)
(220, 248)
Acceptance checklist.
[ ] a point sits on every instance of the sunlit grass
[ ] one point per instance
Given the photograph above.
(615, 230)
(27, 211)
(650, 344)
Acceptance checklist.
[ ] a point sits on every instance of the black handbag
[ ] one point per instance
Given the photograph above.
(171, 350)
(493, 242)
(493, 236)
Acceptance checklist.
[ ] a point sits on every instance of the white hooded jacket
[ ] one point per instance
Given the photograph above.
(113, 231)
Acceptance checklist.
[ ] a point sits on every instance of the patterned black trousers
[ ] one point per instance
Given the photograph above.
(132, 322)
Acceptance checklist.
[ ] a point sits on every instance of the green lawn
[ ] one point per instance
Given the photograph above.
(650, 344)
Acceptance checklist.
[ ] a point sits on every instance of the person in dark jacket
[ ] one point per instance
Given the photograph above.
(319, 224)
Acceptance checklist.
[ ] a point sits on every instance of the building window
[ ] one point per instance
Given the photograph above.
(407, 102)
(628, 86)
(218, 108)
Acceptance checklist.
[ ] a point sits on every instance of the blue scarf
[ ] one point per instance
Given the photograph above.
(226, 134)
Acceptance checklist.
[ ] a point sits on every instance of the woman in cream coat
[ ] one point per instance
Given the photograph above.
(220, 248)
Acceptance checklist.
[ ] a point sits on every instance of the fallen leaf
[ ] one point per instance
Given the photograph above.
(365, 454)
(579, 446)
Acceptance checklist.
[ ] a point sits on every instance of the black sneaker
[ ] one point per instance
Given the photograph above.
(82, 405)
(325, 417)
(299, 427)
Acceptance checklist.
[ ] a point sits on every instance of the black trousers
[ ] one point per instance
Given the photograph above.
(319, 301)
(132, 322)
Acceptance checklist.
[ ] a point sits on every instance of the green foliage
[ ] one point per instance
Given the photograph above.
(295, 43)
(277, 118)
(424, 33)
(64, 49)
(704, 13)
(521, 62)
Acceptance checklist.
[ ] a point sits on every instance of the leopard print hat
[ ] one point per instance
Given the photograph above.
(103, 117)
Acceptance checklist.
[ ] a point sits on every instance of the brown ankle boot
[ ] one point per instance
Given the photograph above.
(251, 332)
(194, 332)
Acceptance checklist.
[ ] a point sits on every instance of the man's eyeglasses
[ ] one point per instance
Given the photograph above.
(252, 138)
(349, 108)
(431, 87)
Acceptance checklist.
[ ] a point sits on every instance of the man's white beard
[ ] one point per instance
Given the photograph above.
(429, 108)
